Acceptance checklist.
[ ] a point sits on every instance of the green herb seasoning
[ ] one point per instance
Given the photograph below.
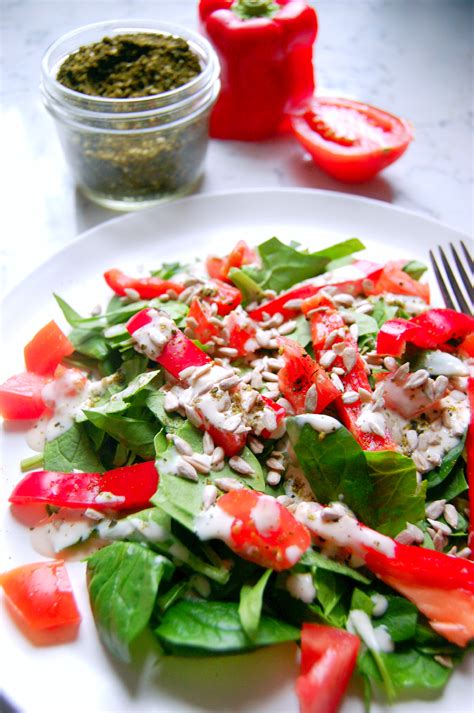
(133, 65)
(143, 145)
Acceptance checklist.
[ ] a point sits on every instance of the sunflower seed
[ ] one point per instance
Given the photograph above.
(434, 458)
(187, 372)
(171, 402)
(327, 358)
(182, 446)
(416, 379)
(287, 327)
(343, 299)
(273, 478)
(232, 422)
(256, 381)
(444, 660)
(229, 351)
(311, 399)
(333, 513)
(435, 508)
(439, 541)
(228, 484)
(270, 376)
(229, 382)
(402, 371)
(337, 382)
(465, 552)
(96, 311)
(364, 308)
(187, 294)
(186, 470)
(192, 415)
(354, 331)
(276, 364)
(201, 463)
(200, 371)
(269, 420)
(412, 439)
(248, 399)
(390, 363)
(240, 466)
(209, 495)
(246, 378)
(191, 322)
(416, 533)
(276, 464)
(349, 358)
(365, 395)
(286, 405)
(338, 348)
(172, 294)
(293, 304)
(350, 397)
(451, 515)
(217, 456)
(405, 537)
(440, 526)
(208, 444)
(440, 386)
(331, 338)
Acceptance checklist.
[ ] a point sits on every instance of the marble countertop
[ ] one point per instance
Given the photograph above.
(410, 57)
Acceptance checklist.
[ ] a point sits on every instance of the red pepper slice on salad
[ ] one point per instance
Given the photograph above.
(394, 279)
(369, 271)
(126, 488)
(46, 350)
(146, 287)
(470, 463)
(41, 597)
(350, 140)
(20, 396)
(323, 324)
(242, 254)
(299, 374)
(328, 658)
(205, 330)
(260, 529)
(441, 586)
(428, 330)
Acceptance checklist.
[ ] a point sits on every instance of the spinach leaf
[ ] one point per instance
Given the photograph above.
(156, 403)
(72, 450)
(209, 628)
(407, 669)
(361, 600)
(330, 589)
(333, 466)
(123, 581)
(400, 619)
(415, 269)
(382, 312)
(136, 434)
(121, 400)
(316, 559)
(302, 333)
(452, 486)
(437, 475)
(250, 606)
(397, 498)
(168, 270)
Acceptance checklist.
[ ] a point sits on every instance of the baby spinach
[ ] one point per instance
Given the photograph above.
(316, 559)
(195, 627)
(123, 581)
(250, 606)
(437, 475)
(136, 434)
(72, 450)
(400, 618)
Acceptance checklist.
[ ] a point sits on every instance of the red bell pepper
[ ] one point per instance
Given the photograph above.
(328, 658)
(262, 531)
(429, 330)
(265, 52)
(146, 287)
(322, 324)
(299, 374)
(470, 463)
(226, 297)
(205, 329)
(20, 396)
(242, 254)
(47, 348)
(441, 586)
(125, 488)
(369, 271)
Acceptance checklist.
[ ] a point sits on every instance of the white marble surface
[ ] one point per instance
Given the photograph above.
(411, 57)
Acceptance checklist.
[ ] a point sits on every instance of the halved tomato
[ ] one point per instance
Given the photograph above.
(350, 140)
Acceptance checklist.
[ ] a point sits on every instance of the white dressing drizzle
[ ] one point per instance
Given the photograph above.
(377, 639)
(301, 586)
(266, 514)
(213, 523)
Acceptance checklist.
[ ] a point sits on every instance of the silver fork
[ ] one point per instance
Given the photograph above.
(461, 265)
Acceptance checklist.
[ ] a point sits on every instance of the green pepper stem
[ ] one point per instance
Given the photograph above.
(247, 9)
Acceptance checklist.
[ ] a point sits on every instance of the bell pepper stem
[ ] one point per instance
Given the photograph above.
(247, 9)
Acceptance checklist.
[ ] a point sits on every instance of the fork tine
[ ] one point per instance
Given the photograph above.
(468, 257)
(464, 276)
(439, 278)
(455, 287)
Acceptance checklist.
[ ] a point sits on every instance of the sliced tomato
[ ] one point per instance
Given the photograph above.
(350, 140)
(328, 658)
(467, 345)
(146, 287)
(394, 279)
(264, 531)
(20, 396)
(225, 297)
(41, 596)
(242, 254)
(47, 348)
(242, 332)
(205, 330)
(298, 376)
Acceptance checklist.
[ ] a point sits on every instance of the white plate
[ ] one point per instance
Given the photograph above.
(81, 676)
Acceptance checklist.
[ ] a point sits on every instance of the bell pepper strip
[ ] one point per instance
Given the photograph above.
(226, 297)
(41, 597)
(47, 348)
(125, 488)
(265, 53)
(323, 324)
(429, 330)
(20, 397)
(394, 279)
(470, 463)
(441, 586)
(256, 527)
(146, 287)
(242, 254)
(349, 140)
(299, 374)
(338, 278)
(328, 658)
(467, 345)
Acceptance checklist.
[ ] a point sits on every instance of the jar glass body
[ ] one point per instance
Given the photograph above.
(130, 153)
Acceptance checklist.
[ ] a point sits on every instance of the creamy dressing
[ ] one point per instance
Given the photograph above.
(377, 639)
(266, 515)
(380, 604)
(318, 422)
(60, 531)
(214, 523)
(344, 532)
(301, 586)
(437, 363)
(153, 336)
(293, 553)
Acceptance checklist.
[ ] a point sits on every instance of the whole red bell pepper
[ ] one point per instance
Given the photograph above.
(126, 488)
(265, 52)
(429, 330)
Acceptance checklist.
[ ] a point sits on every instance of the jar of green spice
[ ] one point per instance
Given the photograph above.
(131, 100)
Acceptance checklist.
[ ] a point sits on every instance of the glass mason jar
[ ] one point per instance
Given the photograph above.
(127, 154)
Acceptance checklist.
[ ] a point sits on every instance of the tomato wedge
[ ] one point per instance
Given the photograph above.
(394, 279)
(242, 254)
(20, 396)
(328, 658)
(40, 596)
(47, 348)
(350, 140)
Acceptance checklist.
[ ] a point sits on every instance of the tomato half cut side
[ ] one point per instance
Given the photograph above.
(350, 140)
